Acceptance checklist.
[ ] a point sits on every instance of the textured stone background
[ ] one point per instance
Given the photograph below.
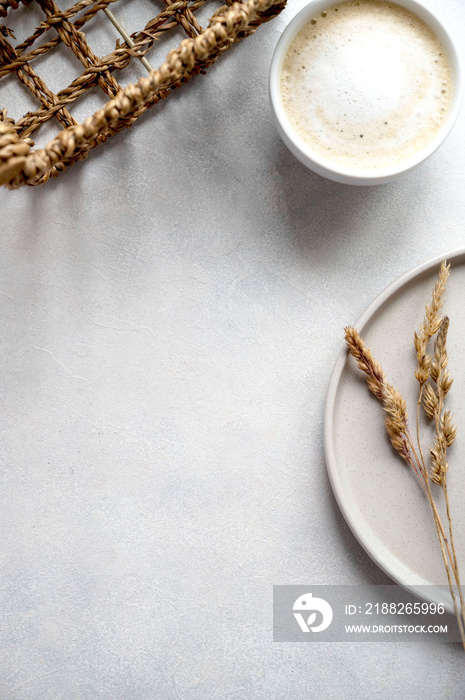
(170, 312)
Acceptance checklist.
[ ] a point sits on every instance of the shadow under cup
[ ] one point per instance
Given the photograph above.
(330, 168)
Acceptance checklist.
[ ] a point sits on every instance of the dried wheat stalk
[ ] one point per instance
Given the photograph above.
(435, 382)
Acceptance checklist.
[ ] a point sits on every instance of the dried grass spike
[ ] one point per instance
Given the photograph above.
(365, 361)
(446, 382)
(430, 401)
(440, 354)
(438, 296)
(397, 421)
(448, 429)
(431, 396)
(430, 324)
(439, 465)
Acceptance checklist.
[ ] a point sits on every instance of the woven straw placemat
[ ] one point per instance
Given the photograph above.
(20, 163)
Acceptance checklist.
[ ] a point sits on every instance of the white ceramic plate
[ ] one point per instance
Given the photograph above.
(377, 492)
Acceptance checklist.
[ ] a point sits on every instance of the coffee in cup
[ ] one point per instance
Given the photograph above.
(365, 88)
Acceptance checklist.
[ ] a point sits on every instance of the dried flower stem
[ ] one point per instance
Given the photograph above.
(428, 329)
(397, 418)
(445, 430)
(433, 402)
(431, 395)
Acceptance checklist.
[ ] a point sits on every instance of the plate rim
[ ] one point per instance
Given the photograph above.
(425, 590)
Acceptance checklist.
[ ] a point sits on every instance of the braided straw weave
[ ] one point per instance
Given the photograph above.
(19, 163)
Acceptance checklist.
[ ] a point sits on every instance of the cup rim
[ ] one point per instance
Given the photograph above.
(349, 174)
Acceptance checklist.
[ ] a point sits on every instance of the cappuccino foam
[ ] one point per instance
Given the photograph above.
(367, 84)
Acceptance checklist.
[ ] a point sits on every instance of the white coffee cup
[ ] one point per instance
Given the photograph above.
(330, 168)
